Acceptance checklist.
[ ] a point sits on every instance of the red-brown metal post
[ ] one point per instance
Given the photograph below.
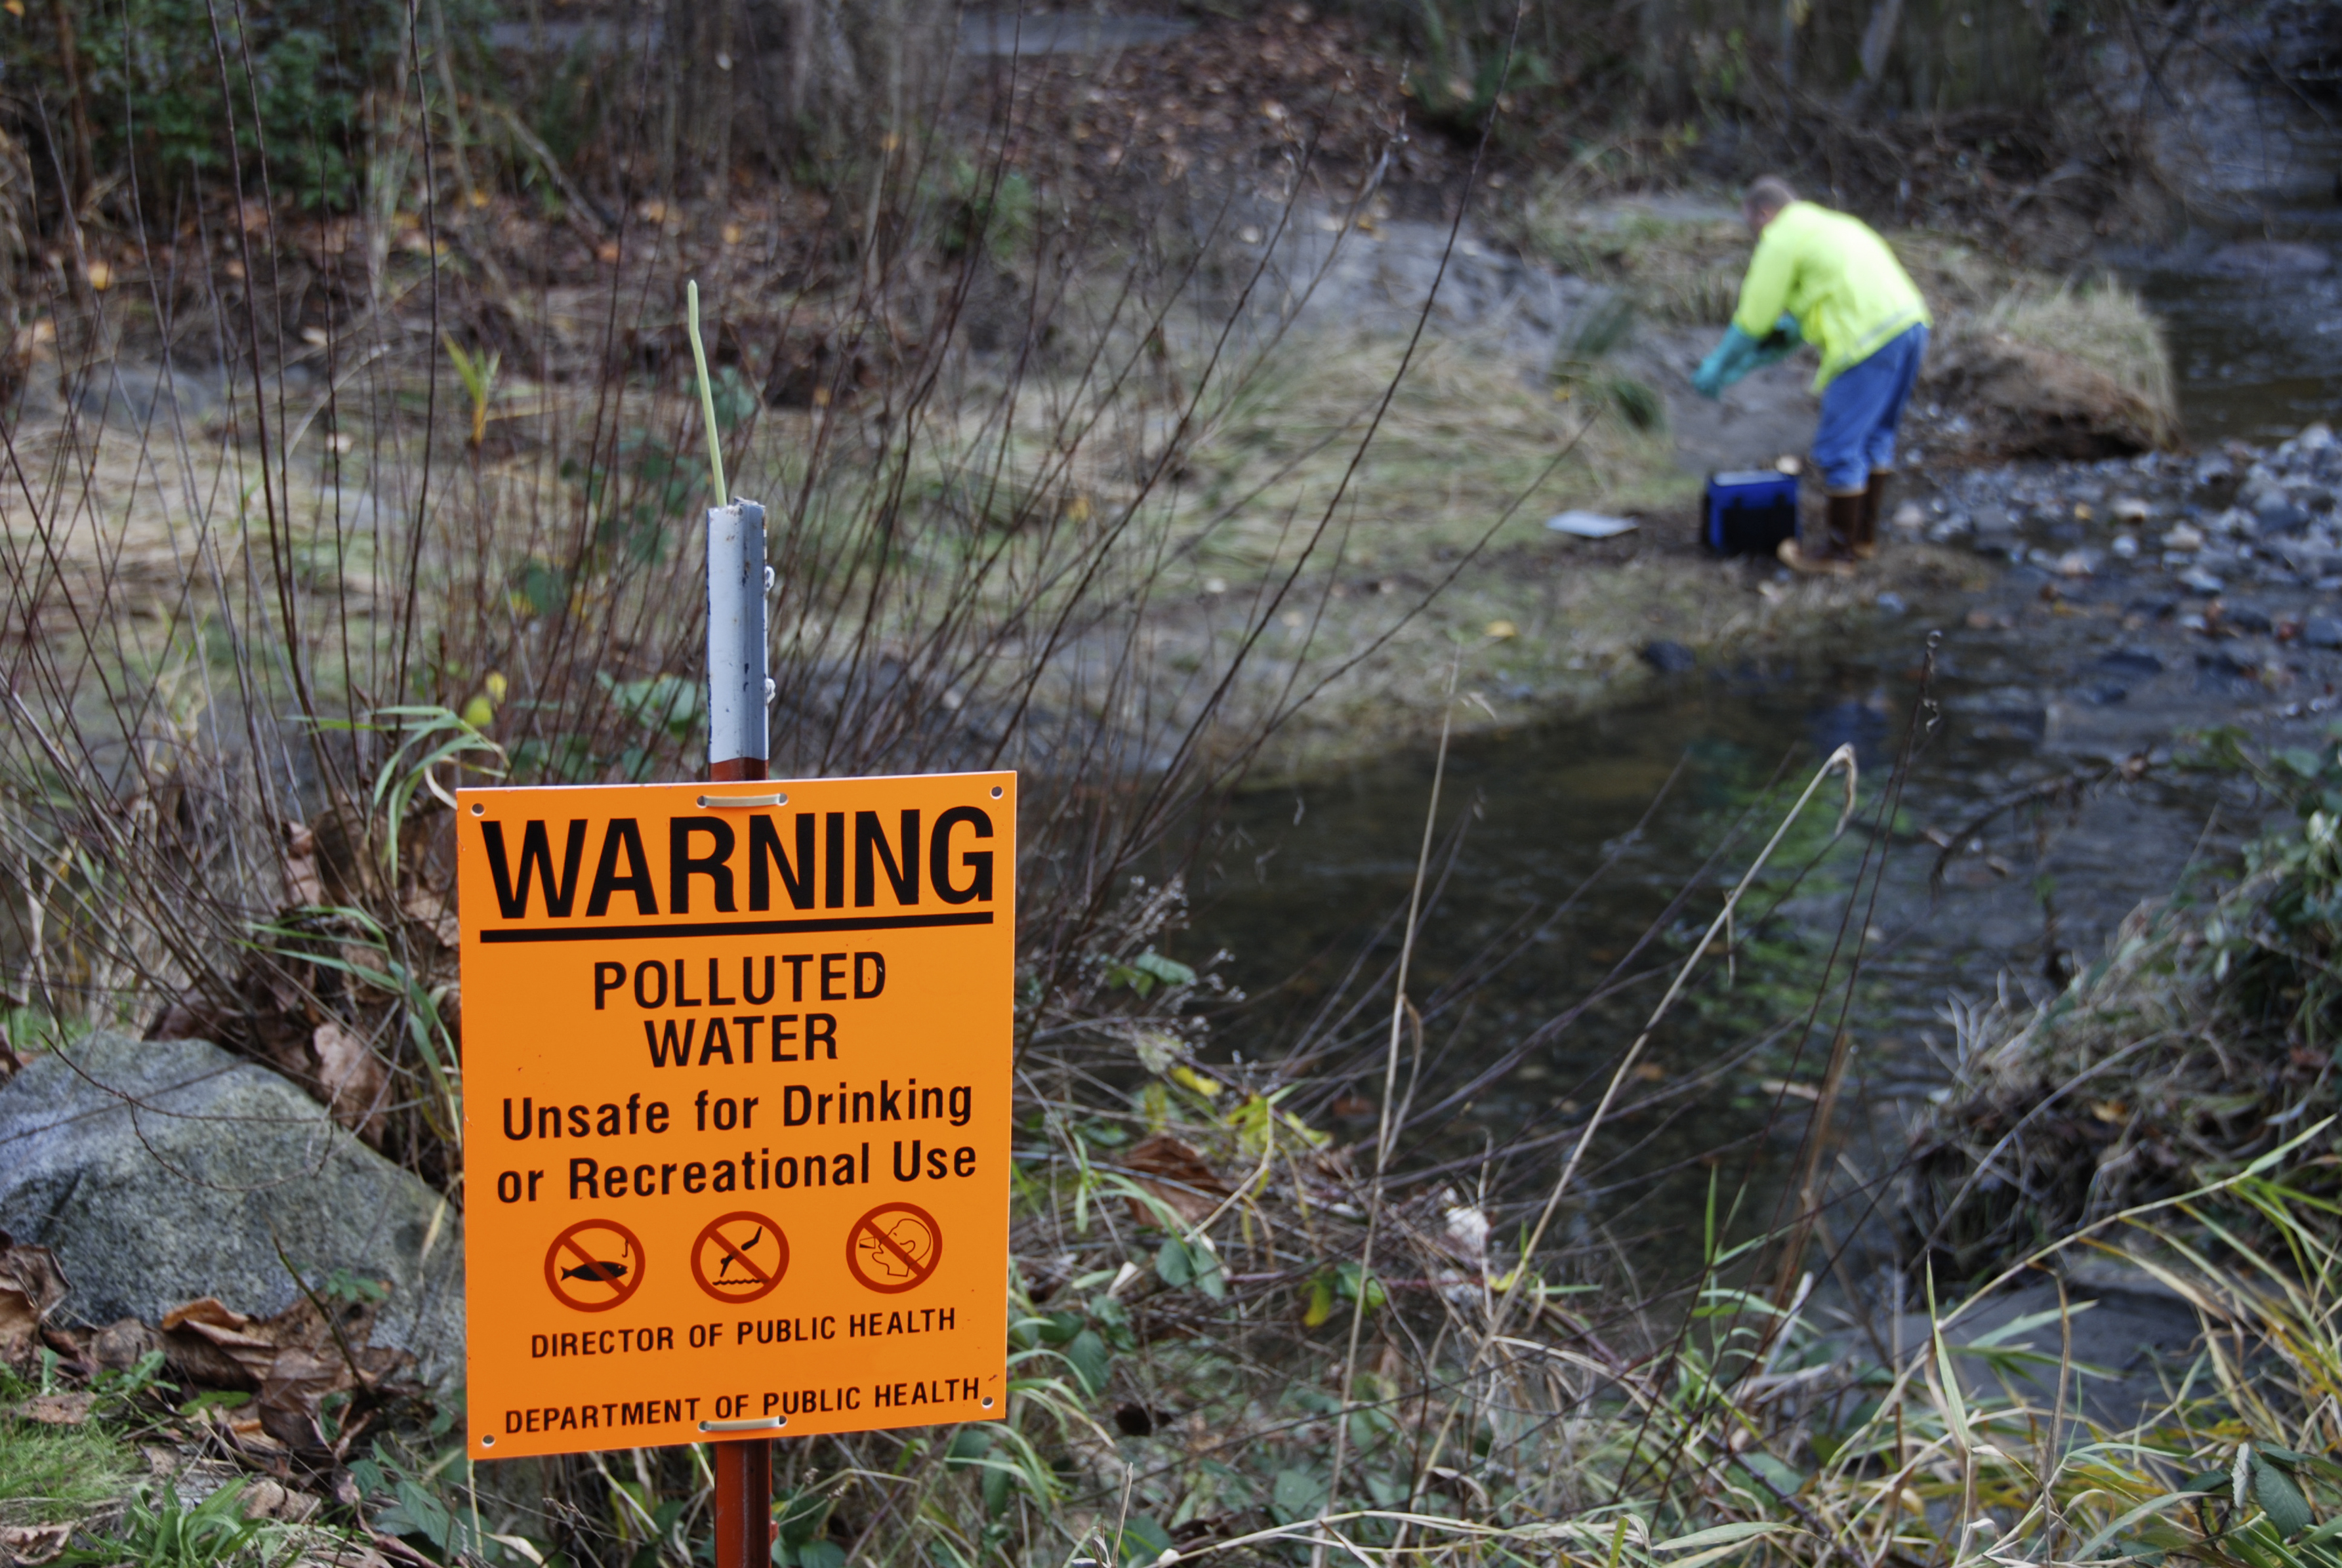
(743, 1503)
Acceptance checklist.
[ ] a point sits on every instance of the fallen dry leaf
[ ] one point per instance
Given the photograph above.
(34, 1544)
(353, 1077)
(1188, 1185)
(290, 1361)
(57, 1409)
(270, 1499)
(302, 883)
(118, 1346)
(31, 1285)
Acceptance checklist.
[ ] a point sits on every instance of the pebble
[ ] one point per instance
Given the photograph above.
(1669, 658)
(2131, 662)
(2228, 662)
(2263, 519)
(2280, 517)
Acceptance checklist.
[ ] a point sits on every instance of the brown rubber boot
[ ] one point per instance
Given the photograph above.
(1874, 503)
(1832, 555)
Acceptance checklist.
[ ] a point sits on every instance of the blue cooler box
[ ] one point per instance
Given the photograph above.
(1749, 512)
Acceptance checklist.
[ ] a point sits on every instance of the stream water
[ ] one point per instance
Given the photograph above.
(1308, 887)
(1310, 882)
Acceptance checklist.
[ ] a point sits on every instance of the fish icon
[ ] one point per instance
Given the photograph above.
(595, 1269)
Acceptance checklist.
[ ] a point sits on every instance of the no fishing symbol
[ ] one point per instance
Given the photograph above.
(594, 1265)
(894, 1248)
(740, 1257)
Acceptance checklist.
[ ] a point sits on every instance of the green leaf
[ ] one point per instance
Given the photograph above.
(2280, 1498)
(1168, 970)
(1092, 1362)
(1297, 1495)
(1740, 1530)
(1209, 1277)
(995, 1487)
(1143, 1541)
(1321, 1302)
(1346, 1278)
(821, 1554)
(1172, 1264)
(1781, 1476)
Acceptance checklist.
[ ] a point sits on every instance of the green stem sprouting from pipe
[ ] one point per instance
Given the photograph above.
(707, 395)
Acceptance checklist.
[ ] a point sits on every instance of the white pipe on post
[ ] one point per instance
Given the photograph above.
(736, 683)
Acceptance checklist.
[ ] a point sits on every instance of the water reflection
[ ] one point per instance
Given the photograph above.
(1533, 980)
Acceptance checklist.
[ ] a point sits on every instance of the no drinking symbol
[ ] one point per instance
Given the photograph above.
(894, 1247)
(740, 1257)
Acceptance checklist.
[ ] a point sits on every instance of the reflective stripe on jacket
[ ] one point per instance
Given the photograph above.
(1834, 274)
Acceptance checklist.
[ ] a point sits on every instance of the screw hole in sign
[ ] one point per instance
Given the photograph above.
(995, 794)
(490, 1442)
(479, 810)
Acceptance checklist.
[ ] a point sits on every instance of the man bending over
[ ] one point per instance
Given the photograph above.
(1827, 278)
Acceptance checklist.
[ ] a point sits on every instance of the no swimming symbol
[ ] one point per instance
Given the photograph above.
(894, 1248)
(740, 1257)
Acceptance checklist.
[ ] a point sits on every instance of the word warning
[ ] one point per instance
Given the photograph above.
(736, 1108)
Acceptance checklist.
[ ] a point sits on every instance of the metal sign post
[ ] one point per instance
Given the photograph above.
(737, 688)
(738, 748)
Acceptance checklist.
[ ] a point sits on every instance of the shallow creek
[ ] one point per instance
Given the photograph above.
(1308, 887)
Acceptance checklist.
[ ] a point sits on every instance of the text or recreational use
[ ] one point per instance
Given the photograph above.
(736, 1108)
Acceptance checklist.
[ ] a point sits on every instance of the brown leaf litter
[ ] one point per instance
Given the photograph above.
(1172, 1171)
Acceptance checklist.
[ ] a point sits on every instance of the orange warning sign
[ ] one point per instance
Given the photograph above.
(894, 1247)
(735, 1059)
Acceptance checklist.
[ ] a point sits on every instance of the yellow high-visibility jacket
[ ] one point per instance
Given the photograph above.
(1832, 272)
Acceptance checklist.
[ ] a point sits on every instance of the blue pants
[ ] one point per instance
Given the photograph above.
(1861, 409)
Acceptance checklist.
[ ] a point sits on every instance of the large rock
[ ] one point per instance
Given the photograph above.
(163, 1171)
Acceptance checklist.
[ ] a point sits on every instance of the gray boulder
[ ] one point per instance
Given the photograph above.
(135, 397)
(163, 1171)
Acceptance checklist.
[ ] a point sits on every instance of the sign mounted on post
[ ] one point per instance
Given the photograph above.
(736, 1068)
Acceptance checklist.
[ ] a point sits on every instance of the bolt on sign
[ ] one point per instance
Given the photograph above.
(735, 1108)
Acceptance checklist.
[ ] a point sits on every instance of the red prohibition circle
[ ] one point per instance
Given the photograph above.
(568, 1265)
(870, 1233)
(763, 1277)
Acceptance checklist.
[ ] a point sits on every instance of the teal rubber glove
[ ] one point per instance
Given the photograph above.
(1739, 354)
(1732, 358)
(1778, 345)
(1783, 341)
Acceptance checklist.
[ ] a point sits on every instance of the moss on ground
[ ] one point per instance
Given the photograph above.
(52, 1474)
